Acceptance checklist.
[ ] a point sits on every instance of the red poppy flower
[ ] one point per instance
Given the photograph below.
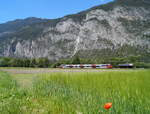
(108, 106)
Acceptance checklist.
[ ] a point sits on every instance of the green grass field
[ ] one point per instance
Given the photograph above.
(75, 92)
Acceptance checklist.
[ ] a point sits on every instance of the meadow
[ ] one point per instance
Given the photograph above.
(75, 92)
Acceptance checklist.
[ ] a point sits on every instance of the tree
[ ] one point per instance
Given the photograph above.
(76, 60)
(33, 62)
(26, 62)
(43, 62)
(4, 62)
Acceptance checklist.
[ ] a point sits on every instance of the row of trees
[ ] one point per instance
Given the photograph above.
(35, 62)
(17, 62)
(45, 63)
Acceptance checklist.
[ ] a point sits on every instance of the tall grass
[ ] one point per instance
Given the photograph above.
(10, 95)
(78, 93)
(87, 92)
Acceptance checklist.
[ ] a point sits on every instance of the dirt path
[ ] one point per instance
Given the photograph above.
(24, 81)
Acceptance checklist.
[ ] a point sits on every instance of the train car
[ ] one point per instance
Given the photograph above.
(126, 65)
(100, 66)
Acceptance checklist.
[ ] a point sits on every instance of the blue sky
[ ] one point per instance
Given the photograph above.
(19, 9)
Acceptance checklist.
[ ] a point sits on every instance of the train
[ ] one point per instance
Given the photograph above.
(103, 66)
(96, 66)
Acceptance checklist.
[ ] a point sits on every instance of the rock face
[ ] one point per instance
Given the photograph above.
(119, 28)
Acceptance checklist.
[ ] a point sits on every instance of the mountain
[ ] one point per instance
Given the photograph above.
(119, 28)
(19, 23)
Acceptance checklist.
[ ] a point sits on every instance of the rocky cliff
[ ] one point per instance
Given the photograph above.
(119, 28)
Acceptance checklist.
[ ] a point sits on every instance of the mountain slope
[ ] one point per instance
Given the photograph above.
(119, 28)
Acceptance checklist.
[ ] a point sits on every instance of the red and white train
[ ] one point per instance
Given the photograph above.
(102, 66)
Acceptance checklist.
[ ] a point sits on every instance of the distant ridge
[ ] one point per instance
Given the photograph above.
(116, 29)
